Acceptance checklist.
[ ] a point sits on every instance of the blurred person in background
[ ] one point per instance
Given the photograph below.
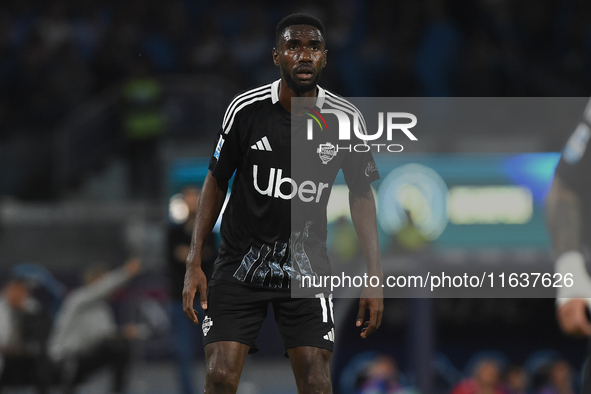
(568, 216)
(179, 241)
(261, 257)
(516, 380)
(23, 331)
(143, 124)
(46, 288)
(86, 337)
(381, 376)
(559, 379)
(485, 379)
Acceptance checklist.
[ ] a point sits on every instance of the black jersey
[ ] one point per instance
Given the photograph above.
(274, 225)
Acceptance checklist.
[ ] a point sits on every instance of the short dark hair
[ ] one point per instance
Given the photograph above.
(297, 19)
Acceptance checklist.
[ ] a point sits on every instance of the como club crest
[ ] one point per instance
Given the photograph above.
(326, 152)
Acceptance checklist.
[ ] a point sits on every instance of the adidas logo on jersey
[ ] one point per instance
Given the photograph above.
(262, 144)
(330, 335)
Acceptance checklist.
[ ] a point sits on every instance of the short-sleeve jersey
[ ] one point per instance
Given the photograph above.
(574, 167)
(274, 226)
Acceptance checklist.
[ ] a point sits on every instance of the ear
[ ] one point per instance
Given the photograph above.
(324, 53)
(275, 57)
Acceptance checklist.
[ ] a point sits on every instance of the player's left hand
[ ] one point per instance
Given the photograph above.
(372, 298)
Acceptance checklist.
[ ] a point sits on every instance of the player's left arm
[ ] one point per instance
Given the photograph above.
(363, 214)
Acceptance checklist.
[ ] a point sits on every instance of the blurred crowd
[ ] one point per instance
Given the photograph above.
(485, 373)
(51, 336)
(55, 55)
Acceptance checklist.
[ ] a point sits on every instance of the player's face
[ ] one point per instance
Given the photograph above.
(301, 57)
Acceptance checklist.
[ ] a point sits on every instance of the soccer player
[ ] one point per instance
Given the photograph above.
(265, 250)
(569, 222)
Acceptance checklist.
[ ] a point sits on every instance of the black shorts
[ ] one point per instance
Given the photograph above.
(236, 312)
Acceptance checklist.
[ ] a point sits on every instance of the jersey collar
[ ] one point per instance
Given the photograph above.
(275, 94)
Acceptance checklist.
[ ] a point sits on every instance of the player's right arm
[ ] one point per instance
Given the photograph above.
(223, 163)
(565, 214)
(210, 205)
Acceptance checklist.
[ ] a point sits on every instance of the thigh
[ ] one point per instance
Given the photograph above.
(235, 313)
(305, 322)
(311, 368)
(226, 356)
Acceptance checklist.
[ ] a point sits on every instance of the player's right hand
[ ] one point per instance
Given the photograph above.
(195, 282)
(573, 319)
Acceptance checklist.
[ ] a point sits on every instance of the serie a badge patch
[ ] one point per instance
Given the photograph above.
(207, 323)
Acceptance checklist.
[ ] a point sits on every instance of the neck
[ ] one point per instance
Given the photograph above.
(285, 95)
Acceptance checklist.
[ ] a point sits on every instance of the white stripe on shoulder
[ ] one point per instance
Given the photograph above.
(336, 100)
(241, 97)
(341, 100)
(244, 104)
(341, 104)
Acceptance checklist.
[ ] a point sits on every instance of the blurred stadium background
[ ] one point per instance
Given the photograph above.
(108, 109)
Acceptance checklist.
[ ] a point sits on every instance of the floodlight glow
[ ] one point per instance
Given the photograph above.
(178, 211)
